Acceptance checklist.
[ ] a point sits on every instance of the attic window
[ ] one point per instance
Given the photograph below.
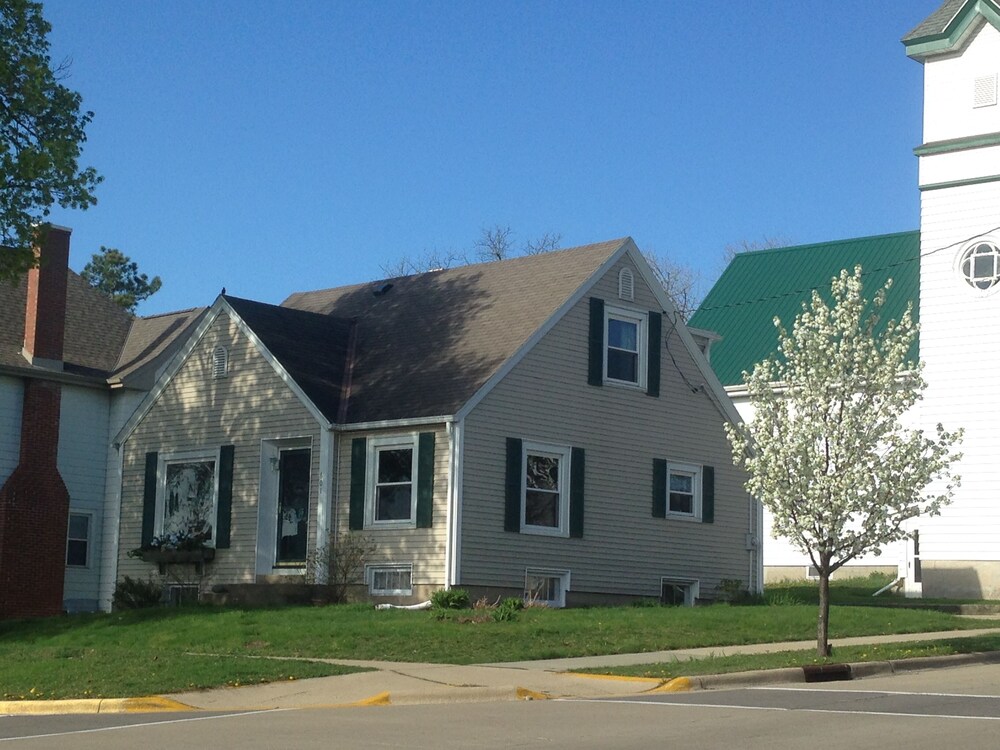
(220, 362)
(985, 91)
(626, 285)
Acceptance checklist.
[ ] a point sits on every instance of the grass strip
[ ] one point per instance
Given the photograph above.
(54, 673)
(782, 659)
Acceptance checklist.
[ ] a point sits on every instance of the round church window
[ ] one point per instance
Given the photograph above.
(980, 265)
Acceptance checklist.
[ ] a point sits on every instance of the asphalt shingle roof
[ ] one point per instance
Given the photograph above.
(936, 22)
(424, 344)
(758, 286)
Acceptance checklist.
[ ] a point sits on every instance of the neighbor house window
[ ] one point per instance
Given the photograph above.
(625, 346)
(678, 592)
(980, 265)
(392, 489)
(546, 587)
(390, 580)
(78, 540)
(545, 489)
(188, 497)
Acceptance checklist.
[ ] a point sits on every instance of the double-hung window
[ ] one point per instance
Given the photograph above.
(392, 490)
(78, 540)
(625, 346)
(683, 490)
(545, 489)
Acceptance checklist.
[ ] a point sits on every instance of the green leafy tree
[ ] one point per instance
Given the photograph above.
(826, 451)
(41, 135)
(117, 276)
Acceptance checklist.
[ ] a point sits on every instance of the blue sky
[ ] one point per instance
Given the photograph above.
(273, 147)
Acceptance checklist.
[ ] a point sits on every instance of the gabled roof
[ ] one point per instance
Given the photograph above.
(312, 348)
(758, 286)
(96, 328)
(426, 343)
(947, 28)
(102, 341)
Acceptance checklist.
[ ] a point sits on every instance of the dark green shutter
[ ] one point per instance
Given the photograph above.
(359, 459)
(595, 373)
(659, 488)
(149, 499)
(576, 471)
(425, 480)
(653, 354)
(512, 506)
(225, 508)
(707, 494)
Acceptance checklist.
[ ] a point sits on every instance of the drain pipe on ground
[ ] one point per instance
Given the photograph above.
(898, 582)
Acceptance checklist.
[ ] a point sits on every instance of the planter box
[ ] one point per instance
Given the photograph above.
(164, 557)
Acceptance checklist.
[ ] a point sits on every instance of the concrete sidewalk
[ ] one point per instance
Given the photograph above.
(409, 683)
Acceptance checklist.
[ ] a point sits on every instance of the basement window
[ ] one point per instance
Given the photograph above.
(678, 592)
(546, 587)
(390, 580)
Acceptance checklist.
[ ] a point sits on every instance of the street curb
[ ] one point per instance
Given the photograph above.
(148, 704)
(857, 670)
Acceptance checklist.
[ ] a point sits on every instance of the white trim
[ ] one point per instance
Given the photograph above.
(564, 454)
(695, 471)
(186, 456)
(409, 441)
(453, 529)
(640, 318)
(371, 570)
(515, 359)
(391, 423)
(563, 575)
(89, 515)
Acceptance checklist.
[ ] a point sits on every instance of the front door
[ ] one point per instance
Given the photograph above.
(293, 506)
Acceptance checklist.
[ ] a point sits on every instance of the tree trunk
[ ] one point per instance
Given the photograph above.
(823, 624)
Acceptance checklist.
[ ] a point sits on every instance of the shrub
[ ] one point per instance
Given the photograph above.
(136, 593)
(506, 611)
(450, 599)
(341, 562)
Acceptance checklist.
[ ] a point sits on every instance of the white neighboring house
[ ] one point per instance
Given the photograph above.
(950, 270)
(73, 368)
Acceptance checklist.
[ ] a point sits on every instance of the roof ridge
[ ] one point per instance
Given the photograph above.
(171, 312)
(812, 245)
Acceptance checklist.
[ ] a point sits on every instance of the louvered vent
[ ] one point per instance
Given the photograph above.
(626, 285)
(985, 93)
(220, 362)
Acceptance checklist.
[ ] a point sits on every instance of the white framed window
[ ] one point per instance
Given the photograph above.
(220, 362)
(392, 579)
(545, 489)
(625, 346)
(979, 265)
(678, 592)
(391, 492)
(684, 490)
(187, 496)
(78, 540)
(546, 587)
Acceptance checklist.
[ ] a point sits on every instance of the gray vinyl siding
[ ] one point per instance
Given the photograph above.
(423, 548)
(82, 462)
(624, 550)
(196, 411)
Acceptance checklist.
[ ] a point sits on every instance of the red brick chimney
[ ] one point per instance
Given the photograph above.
(34, 502)
(45, 314)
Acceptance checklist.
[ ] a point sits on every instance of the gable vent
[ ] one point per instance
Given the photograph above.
(626, 284)
(985, 91)
(220, 362)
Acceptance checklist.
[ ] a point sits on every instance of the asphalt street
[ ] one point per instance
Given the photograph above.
(959, 707)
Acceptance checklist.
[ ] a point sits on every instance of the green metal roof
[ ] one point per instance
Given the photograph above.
(758, 286)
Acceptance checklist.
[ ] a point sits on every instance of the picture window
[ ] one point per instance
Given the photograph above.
(188, 497)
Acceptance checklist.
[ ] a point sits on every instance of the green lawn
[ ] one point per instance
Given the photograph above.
(148, 651)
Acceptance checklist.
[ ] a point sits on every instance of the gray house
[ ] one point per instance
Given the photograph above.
(544, 426)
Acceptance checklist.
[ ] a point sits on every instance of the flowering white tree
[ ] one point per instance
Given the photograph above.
(826, 451)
